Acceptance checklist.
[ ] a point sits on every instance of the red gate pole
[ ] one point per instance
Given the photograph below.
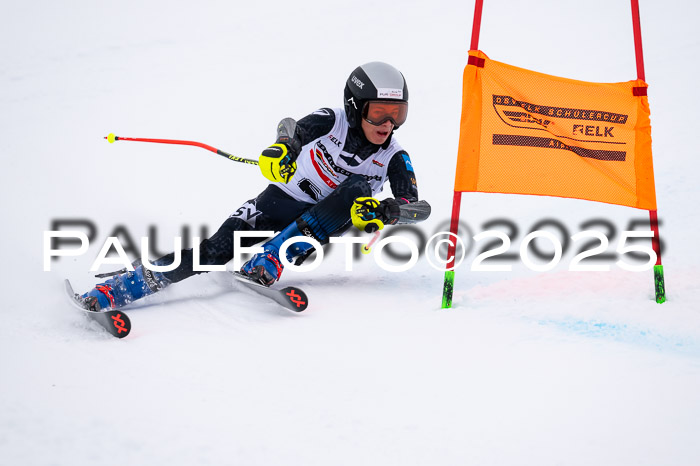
(448, 286)
(659, 285)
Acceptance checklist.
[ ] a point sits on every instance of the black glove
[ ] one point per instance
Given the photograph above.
(370, 215)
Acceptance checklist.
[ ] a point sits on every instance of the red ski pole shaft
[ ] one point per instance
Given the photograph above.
(111, 138)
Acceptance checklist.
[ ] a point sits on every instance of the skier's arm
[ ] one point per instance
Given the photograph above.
(315, 125)
(369, 214)
(402, 178)
(278, 162)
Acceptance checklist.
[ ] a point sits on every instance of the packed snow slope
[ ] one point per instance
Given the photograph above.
(528, 368)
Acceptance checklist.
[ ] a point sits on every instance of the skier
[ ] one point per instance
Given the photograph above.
(324, 171)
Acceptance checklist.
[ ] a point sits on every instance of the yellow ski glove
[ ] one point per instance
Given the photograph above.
(277, 164)
(370, 215)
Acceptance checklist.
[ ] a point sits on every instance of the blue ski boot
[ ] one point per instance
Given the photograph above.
(266, 267)
(124, 288)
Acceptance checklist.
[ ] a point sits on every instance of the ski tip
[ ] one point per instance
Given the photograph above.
(298, 302)
(291, 298)
(117, 323)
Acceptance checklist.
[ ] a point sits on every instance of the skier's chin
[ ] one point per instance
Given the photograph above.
(378, 136)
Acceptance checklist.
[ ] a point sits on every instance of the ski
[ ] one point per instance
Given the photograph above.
(115, 322)
(291, 297)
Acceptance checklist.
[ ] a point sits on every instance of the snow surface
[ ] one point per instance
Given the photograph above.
(548, 368)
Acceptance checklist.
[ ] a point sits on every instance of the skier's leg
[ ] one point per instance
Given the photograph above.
(319, 222)
(271, 210)
(216, 250)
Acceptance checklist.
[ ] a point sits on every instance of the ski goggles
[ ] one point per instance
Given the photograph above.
(377, 112)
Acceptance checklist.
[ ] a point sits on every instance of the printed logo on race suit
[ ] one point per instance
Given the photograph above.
(350, 159)
(334, 140)
(310, 189)
(340, 170)
(324, 170)
(407, 161)
(247, 212)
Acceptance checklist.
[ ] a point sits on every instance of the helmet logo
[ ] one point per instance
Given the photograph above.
(352, 101)
(388, 93)
(357, 82)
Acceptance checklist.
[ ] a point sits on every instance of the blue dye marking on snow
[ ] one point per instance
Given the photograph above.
(626, 334)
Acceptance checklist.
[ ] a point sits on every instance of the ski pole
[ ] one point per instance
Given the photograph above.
(111, 138)
(367, 248)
